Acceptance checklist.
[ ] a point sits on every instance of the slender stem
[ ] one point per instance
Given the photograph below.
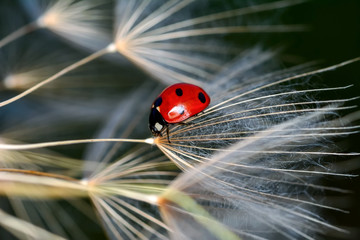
(18, 33)
(70, 142)
(59, 74)
(37, 173)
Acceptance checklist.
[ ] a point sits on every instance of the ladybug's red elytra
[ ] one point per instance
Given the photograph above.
(175, 104)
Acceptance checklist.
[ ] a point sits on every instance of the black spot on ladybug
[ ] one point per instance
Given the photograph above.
(158, 102)
(182, 112)
(179, 92)
(202, 97)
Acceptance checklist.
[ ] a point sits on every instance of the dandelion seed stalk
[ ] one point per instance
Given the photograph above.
(33, 184)
(70, 142)
(59, 74)
(18, 33)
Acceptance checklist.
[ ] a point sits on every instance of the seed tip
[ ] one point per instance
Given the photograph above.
(111, 48)
(150, 141)
(153, 199)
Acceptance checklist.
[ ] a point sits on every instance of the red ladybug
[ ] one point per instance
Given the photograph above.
(175, 104)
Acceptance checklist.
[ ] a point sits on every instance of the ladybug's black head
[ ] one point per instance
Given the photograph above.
(156, 122)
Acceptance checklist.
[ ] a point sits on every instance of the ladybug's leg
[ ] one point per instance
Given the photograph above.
(168, 133)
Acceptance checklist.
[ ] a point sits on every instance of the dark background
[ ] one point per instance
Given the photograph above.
(334, 37)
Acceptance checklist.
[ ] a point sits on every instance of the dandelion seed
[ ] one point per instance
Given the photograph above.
(21, 71)
(169, 50)
(81, 23)
(251, 163)
(56, 76)
(254, 190)
(140, 181)
(76, 22)
(116, 191)
(25, 65)
(134, 179)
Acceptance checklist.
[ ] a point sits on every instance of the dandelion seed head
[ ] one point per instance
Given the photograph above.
(50, 19)
(126, 192)
(111, 47)
(153, 199)
(121, 45)
(239, 113)
(253, 158)
(174, 45)
(84, 181)
(23, 80)
(14, 81)
(161, 201)
(81, 22)
(151, 141)
(25, 65)
(247, 188)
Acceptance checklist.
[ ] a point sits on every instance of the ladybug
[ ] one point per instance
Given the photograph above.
(175, 104)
